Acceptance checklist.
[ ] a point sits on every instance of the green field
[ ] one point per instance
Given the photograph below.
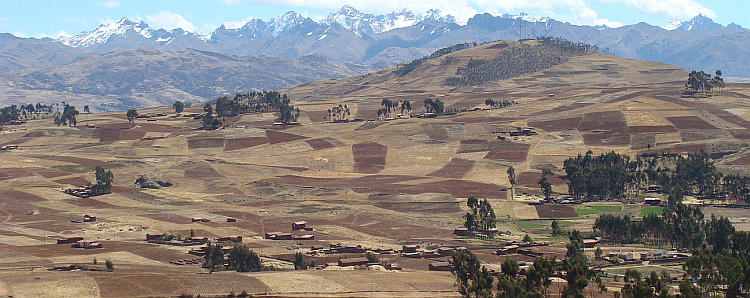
(587, 211)
(606, 207)
(655, 210)
(529, 225)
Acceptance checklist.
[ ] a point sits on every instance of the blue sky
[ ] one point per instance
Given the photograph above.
(53, 18)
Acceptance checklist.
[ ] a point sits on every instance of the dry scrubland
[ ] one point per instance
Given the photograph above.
(377, 184)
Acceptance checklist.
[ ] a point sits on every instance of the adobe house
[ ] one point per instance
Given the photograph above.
(300, 225)
(439, 266)
(69, 240)
(352, 262)
(89, 218)
(410, 248)
(304, 237)
(152, 237)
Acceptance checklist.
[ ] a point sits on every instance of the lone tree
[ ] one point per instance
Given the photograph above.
(178, 107)
(512, 178)
(299, 262)
(131, 114)
(544, 184)
(103, 181)
(110, 266)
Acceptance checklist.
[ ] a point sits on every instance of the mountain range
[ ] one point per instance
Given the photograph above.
(357, 41)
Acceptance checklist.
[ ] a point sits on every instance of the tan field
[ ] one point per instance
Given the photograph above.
(371, 183)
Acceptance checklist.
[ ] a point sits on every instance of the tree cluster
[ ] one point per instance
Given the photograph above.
(434, 106)
(517, 60)
(68, 116)
(240, 259)
(339, 113)
(104, 181)
(498, 103)
(701, 82)
(230, 106)
(481, 217)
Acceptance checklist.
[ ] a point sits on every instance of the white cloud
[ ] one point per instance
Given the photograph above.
(55, 35)
(668, 9)
(170, 20)
(106, 20)
(230, 2)
(19, 34)
(111, 4)
(237, 24)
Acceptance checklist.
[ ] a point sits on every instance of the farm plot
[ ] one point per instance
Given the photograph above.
(556, 211)
(690, 122)
(275, 137)
(205, 143)
(557, 125)
(456, 168)
(517, 153)
(369, 158)
(604, 128)
(242, 143)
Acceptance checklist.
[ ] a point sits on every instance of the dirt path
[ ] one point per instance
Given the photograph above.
(7, 219)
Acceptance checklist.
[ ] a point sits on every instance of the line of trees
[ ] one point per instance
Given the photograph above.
(680, 226)
(498, 103)
(68, 117)
(339, 113)
(612, 175)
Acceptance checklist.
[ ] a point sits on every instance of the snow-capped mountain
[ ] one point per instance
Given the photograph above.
(361, 23)
(697, 23)
(124, 28)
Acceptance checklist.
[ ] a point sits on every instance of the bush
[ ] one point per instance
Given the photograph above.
(110, 266)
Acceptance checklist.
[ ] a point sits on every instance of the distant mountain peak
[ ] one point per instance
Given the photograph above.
(697, 23)
(361, 23)
(105, 31)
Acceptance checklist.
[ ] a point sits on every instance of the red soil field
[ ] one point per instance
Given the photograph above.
(16, 141)
(75, 181)
(729, 117)
(557, 125)
(242, 143)
(680, 149)
(421, 207)
(13, 173)
(744, 160)
(205, 143)
(106, 134)
(204, 171)
(690, 122)
(319, 144)
(456, 168)
(480, 120)
(275, 137)
(611, 120)
(742, 134)
(131, 135)
(647, 129)
(369, 158)
(51, 173)
(555, 211)
(517, 153)
(531, 179)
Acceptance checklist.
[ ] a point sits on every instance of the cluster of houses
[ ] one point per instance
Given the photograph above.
(652, 257)
(190, 241)
(519, 247)
(86, 218)
(193, 261)
(79, 242)
(8, 147)
(85, 192)
(296, 226)
(490, 233)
